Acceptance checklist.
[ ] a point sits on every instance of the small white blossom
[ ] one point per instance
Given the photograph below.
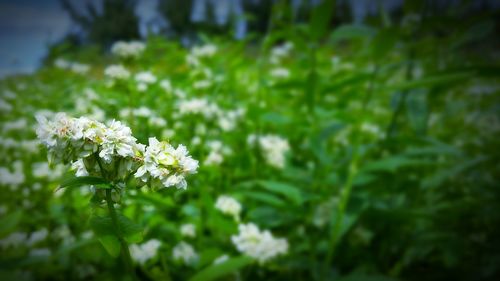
(167, 164)
(117, 72)
(260, 245)
(185, 252)
(273, 148)
(130, 49)
(229, 206)
(188, 230)
(146, 251)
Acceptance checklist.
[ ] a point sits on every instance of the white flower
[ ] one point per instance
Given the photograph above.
(14, 240)
(5, 106)
(204, 51)
(260, 245)
(37, 236)
(12, 179)
(19, 124)
(79, 68)
(79, 166)
(273, 149)
(118, 140)
(280, 73)
(130, 49)
(229, 206)
(198, 106)
(166, 85)
(146, 251)
(167, 164)
(188, 230)
(145, 77)
(202, 84)
(43, 170)
(117, 72)
(185, 252)
(62, 63)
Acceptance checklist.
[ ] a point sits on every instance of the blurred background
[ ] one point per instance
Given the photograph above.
(29, 29)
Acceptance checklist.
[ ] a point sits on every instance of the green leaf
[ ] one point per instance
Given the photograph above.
(351, 31)
(364, 277)
(433, 80)
(219, 270)
(9, 223)
(103, 226)
(264, 197)
(288, 191)
(320, 19)
(79, 181)
(111, 244)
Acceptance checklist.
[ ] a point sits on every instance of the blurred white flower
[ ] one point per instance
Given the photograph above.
(146, 251)
(273, 148)
(188, 230)
(132, 49)
(14, 178)
(14, 240)
(40, 253)
(280, 73)
(260, 245)
(185, 252)
(117, 72)
(229, 206)
(37, 236)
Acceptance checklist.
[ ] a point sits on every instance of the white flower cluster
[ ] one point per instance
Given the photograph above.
(96, 149)
(229, 206)
(227, 120)
(280, 52)
(185, 252)
(280, 73)
(117, 72)
(188, 230)
(146, 251)
(198, 106)
(132, 49)
(75, 67)
(272, 147)
(144, 79)
(167, 164)
(145, 112)
(217, 153)
(198, 52)
(14, 178)
(260, 245)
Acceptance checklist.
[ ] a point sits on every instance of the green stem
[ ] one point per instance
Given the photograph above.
(124, 252)
(344, 199)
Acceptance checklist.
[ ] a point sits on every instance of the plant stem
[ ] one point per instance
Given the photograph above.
(124, 252)
(344, 199)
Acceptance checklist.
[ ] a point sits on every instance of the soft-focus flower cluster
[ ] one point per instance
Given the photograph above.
(198, 106)
(229, 206)
(12, 178)
(273, 148)
(280, 52)
(185, 252)
(144, 79)
(146, 251)
(116, 72)
(260, 245)
(75, 67)
(188, 230)
(111, 151)
(217, 152)
(164, 163)
(132, 49)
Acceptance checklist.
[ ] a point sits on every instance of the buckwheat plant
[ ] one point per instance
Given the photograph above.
(107, 157)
